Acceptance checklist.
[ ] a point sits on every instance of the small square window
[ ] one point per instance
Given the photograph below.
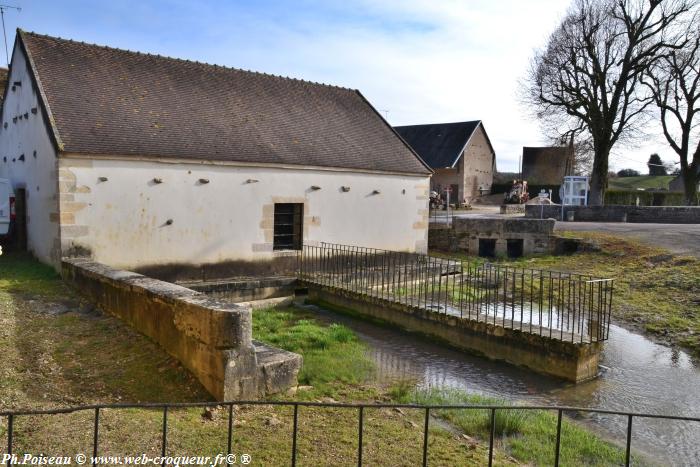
(289, 223)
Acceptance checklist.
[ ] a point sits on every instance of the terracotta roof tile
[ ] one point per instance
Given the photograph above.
(115, 102)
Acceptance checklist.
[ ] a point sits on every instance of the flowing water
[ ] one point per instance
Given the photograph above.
(637, 375)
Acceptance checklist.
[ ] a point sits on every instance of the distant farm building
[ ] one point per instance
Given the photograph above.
(547, 165)
(460, 153)
(677, 184)
(141, 161)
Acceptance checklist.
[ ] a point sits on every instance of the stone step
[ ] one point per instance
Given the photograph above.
(277, 369)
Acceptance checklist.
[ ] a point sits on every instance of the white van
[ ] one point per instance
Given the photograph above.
(7, 208)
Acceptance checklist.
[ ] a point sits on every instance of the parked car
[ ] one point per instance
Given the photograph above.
(7, 210)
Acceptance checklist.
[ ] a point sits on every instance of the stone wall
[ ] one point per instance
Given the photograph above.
(210, 337)
(634, 214)
(570, 361)
(465, 233)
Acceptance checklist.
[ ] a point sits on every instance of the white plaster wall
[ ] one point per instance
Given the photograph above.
(225, 219)
(37, 174)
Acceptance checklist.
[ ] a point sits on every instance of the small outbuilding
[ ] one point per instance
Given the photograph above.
(460, 153)
(151, 163)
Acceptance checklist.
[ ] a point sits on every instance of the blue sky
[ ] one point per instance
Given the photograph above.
(417, 61)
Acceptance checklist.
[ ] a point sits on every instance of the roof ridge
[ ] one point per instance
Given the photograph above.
(441, 123)
(184, 60)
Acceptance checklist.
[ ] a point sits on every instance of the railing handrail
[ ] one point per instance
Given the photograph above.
(165, 407)
(560, 305)
(486, 264)
(356, 405)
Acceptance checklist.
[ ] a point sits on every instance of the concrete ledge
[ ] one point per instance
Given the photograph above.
(612, 213)
(565, 360)
(212, 338)
(246, 290)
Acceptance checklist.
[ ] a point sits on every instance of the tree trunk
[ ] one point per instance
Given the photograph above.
(690, 186)
(599, 177)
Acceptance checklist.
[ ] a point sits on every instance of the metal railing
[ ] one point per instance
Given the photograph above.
(441, 216)
(166, 408)
(568, 307)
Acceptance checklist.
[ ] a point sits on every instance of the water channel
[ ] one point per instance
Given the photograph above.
(637, 375)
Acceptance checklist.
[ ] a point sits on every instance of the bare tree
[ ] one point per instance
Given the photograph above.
(674, 83)
(587, 78)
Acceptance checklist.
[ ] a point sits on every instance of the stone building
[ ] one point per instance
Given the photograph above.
(547, 165)
(144, 162)
(460, 153)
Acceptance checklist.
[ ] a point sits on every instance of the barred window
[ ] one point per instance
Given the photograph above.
(289, 221)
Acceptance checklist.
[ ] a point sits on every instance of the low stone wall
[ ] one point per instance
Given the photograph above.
(245, 290)
(512, 208)
(566, 360)
(465, 234)
(212, 338)
(632, 214)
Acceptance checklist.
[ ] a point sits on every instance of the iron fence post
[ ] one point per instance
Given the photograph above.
(294, 435)
(95, 435)
(359, 437)
(425, 436)
(165, 431)
(628, 448)
(492, 435)
(10, 429)
(229, 443)
(558, 445)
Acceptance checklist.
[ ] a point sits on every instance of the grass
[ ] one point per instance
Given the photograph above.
(643, 181)
(526, 435)
(86, 357)
(654, 291)
(82, 357)
(333, 356)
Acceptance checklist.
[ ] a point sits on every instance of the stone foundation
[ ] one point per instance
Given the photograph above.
(504, 236)
(211, 338)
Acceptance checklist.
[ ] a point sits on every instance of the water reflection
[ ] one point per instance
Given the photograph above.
(637, 375)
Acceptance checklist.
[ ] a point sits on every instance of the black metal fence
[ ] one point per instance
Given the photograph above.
(361, 410)
(568, 307)
(441, 216)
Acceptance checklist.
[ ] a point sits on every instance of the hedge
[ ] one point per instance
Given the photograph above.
(646, 198)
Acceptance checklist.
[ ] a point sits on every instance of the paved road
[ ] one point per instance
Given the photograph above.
(678, 238)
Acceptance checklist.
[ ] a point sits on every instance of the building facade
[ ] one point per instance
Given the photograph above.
(460, 154)
(140, 161)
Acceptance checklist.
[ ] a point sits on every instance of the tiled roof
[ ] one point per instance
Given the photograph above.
(439, 144)
(107, 101)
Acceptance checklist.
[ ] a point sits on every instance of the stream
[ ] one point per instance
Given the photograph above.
(637, 375)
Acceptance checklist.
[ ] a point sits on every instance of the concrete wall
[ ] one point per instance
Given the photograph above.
(634, 214)
(211, 338)
(23, 132)
(123, 221)
(566, 360)
(464, 235)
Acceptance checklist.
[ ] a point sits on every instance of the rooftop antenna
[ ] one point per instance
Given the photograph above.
(4, 33)
(386, 113)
